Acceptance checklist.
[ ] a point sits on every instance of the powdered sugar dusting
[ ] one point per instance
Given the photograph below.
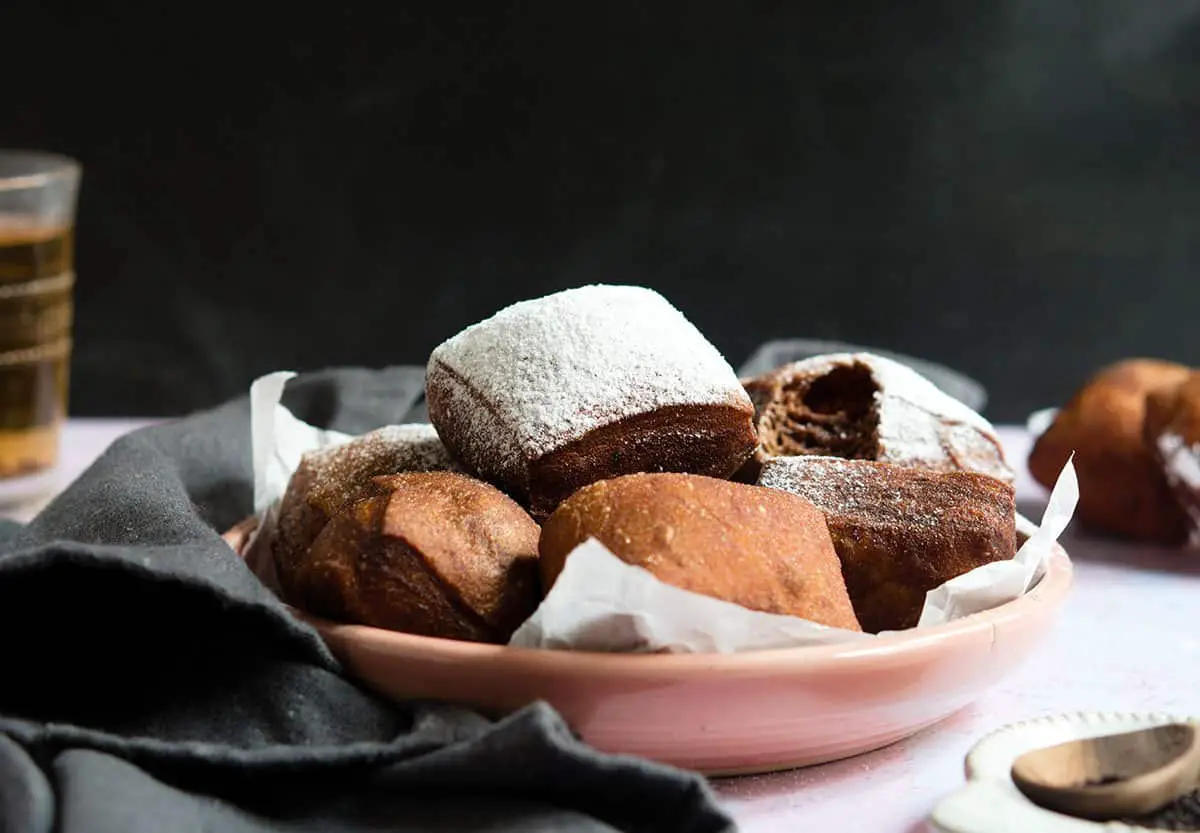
(843, 488)
(342, 472)
(971, 450)
(919, 424)
(1182, 461)
(859, 488)
(1181, 464)
(545, 372)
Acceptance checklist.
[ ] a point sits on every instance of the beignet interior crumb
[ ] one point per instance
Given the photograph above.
(833, 415)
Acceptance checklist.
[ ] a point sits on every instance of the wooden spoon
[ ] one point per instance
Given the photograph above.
(1117, 776)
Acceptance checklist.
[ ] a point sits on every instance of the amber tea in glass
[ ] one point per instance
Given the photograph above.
(38, 193)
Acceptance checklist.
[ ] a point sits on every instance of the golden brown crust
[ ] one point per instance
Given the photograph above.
(901, 532)
(1174, 409)
(297, 524)
(1122, 488)
(708, 440)
(712, 440)
(759, 548)
(328, 479)
(434, 553)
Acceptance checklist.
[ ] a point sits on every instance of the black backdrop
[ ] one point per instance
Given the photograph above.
(1008, 186)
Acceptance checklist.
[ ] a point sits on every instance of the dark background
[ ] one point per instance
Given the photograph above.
(1011, 187)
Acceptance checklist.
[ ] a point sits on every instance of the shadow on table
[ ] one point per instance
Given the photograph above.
(786, 783)
(1085, 545)
(889, 775)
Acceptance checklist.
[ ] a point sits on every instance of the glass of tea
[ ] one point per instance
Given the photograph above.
(38, 195)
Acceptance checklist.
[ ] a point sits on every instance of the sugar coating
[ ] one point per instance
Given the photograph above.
(850, 487)
(1182, 461)
(542, 373)
(1181, 464)
(338, 472)
(918, 422)
(847, 491)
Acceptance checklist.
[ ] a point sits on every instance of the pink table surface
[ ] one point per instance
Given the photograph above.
(1129, 640)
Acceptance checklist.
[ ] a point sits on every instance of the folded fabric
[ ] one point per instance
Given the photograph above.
(151, 683)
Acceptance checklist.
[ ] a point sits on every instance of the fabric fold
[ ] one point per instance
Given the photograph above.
(151, 682)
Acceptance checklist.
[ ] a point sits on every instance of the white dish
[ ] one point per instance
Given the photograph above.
(991, 803)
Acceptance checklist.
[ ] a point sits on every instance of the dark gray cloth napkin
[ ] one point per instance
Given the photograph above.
(149, 683)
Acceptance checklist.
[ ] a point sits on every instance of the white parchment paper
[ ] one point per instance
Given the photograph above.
(600, 603)
(279, 439)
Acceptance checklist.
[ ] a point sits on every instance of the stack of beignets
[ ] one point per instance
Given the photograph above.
(552, 394)
(913, 483)
(601, 412)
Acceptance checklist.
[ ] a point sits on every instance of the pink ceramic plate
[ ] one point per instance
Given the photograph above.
(721, 714)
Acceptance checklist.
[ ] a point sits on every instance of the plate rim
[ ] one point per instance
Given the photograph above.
(1053, 590)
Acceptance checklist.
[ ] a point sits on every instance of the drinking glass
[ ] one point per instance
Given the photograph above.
(38, 196)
